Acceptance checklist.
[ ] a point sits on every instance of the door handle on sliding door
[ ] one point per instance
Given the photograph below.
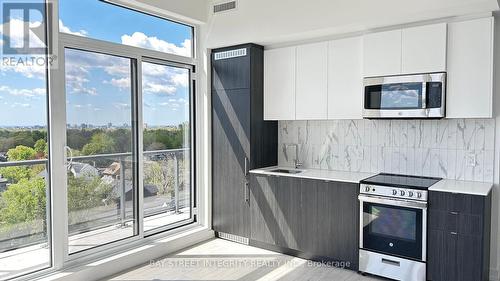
(68, 157)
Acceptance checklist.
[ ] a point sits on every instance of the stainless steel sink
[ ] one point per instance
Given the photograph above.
(286, 171)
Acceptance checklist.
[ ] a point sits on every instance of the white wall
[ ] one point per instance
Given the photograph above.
(273, 22)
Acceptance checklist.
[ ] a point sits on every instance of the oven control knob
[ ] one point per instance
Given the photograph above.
(402, 192)
(367, 188)
(410, 193)
(394, 192)
(419, 194)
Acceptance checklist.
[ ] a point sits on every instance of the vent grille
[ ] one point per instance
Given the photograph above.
(230, 54)
(234, 238)
(226, 6)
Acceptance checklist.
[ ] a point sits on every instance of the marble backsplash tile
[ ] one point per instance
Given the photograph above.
(441, 148)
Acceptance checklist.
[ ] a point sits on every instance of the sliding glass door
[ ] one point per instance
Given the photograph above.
(166, 108)
(100, 135)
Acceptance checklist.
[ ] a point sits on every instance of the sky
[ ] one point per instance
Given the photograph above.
(98, 90)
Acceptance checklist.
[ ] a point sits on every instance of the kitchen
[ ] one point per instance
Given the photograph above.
(250, 140)
(372, 144)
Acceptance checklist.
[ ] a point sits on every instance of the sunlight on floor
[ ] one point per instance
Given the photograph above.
(223, 260)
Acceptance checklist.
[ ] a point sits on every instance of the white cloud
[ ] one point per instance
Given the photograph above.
(65, 29)
(122, 83)
(180, 79)
(159, 89)
(23, 92)
(139, 39)
(162, 79)
(81, 65)
(121, 106)
(17, 104)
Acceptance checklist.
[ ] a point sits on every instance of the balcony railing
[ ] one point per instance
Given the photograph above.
(124, 188)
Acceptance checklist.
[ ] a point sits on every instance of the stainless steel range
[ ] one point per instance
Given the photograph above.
(393, 226)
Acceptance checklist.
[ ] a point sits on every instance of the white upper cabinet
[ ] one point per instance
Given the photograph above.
(424, 49)
(279, 84)
(345, 78)
(382, 53)
(406, 51)
(470, 69)
(311, 91)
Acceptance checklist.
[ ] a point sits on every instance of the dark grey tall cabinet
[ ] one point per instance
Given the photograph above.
(241, 139)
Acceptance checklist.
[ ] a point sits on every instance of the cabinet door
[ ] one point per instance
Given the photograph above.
(262, 209)
(279, 84)
(441, 256)
(288, 212)
(338, 214)
(312, 68)
(345, 78)
(230, 132)
(469, 257)
(470, 69)
(382, 53)
(424, 49)
(310, 220)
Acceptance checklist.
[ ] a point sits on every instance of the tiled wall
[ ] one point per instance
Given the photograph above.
(443, 148)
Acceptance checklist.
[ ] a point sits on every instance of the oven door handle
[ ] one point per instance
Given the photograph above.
(393, 202)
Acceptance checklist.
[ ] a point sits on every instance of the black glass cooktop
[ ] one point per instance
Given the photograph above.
(402, 181)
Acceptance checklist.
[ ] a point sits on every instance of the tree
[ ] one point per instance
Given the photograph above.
(87, 192)
(41, 147)
(100, 143)
(21, 153)
(24, 201)
(16, 174)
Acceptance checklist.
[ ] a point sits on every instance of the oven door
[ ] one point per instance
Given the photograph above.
(393, 226)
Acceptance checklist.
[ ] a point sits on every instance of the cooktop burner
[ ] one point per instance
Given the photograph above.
(401, 181)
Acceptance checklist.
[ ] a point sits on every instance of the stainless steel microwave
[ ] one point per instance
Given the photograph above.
(405, 96)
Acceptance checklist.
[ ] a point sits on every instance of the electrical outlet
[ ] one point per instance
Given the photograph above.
(471, 160)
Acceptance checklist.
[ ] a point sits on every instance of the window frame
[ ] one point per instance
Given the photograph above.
(192, 142)
(56, 129)
(137, 55)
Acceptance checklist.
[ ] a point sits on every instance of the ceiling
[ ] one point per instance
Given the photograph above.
(269, 22)
(275, 22)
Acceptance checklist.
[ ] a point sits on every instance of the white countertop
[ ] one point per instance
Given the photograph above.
(341, 176)
(463, 187)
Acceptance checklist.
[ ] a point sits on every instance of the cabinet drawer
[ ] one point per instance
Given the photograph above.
(443, 220)
(459, 223)
(452, 202)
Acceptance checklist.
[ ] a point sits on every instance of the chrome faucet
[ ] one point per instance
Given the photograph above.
(296, 161)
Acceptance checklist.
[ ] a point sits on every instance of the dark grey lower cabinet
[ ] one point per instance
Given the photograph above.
(314, 219)
(458, 237)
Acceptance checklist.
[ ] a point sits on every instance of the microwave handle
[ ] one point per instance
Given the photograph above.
(424, 95)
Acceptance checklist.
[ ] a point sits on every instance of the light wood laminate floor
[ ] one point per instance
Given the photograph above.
(223, 260)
